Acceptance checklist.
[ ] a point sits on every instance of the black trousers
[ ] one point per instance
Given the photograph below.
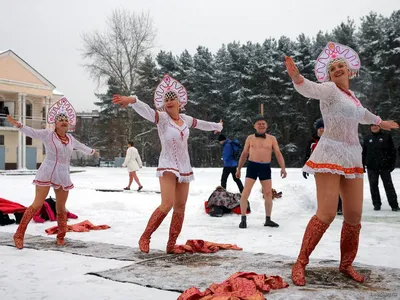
(225, 174)
(373, 177)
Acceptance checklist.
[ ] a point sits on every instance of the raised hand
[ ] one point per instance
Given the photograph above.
(123, 100)
(389, 125)
(13, 121)
(220, 122)
(293, 71)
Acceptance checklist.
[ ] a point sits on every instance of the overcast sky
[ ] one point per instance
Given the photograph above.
(47, 33)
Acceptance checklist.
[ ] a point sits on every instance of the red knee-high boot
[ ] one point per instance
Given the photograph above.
(174, 231)
(154, 222)
(62, 228)
(348, 248)
(313, 234)
(19, 235)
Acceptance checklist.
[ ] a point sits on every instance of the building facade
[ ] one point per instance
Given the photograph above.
(26, 95)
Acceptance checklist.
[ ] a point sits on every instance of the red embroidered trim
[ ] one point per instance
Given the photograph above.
(48, 183)
(156, 117)
(194, 123)
(173, 169)
(354, 170)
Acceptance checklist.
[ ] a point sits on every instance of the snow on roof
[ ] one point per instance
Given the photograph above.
(2, 51)
(56, 92)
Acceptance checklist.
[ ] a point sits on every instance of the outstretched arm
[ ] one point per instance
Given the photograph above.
(202, 125)
(279, 157)
(40, 134)
(81, 147)
(140, 107)
(306, 87)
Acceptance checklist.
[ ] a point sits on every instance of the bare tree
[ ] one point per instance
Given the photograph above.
(117, 52)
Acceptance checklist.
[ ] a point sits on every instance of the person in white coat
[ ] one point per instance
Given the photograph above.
(133, 163)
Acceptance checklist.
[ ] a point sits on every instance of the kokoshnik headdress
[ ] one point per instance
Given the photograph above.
(334, 52)
(62, 109)
(169, 88)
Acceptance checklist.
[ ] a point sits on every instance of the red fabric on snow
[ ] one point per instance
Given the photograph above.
(240, 286)
(200, 246)
(84, 226)
(9, 207)
(47, 211)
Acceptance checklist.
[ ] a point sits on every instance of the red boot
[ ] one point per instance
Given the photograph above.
(174, 231)
(348, 248)
(19, 235)
(62, 228)
(313, 234)
(155, 221)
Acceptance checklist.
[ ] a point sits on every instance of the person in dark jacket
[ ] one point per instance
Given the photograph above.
(319, 126)
(379, 158)
(230, 164)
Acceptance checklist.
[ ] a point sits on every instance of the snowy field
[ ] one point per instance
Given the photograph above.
(32, 274)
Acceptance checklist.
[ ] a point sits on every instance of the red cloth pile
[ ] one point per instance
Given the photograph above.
(9, 207)
(200, 246)
(84, 226)
(240, 286)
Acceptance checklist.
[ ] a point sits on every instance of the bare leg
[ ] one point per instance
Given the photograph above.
(136, 178)
(267, 192)
(130, 181)
(248, 185)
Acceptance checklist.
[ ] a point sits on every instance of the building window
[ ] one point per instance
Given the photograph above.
(29, 111)
(1, 140)
(28, 141)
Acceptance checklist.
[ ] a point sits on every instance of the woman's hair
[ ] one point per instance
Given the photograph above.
(130, 143)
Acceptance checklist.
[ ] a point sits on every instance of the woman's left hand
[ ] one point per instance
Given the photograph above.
(389, 125)
(220, 122)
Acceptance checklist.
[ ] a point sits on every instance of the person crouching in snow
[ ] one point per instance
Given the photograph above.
(133, 163)
(54, 171)
(174, 169)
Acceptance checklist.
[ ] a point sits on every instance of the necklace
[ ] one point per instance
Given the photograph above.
(176, 119)
(64, 139)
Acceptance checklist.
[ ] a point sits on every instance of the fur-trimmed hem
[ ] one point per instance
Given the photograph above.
(181, 178)
(52, 184)
(309, 170)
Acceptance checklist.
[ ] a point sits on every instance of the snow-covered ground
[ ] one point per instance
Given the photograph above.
(33, 274)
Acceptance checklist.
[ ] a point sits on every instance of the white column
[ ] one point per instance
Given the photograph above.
(47, 106)
(20, 135)
(24, 137)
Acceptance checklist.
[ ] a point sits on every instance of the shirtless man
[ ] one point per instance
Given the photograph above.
(259, 147)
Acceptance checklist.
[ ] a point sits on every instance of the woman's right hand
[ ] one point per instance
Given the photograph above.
(123, 100)
(293, 71)
(13, 121)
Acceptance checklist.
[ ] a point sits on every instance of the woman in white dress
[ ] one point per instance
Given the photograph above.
(174, 169)
(54, 171)
(336, 161)
(133, 163)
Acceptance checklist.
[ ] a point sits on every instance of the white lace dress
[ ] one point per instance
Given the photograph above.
(54, 170)
(174, 156)
(338, 150)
